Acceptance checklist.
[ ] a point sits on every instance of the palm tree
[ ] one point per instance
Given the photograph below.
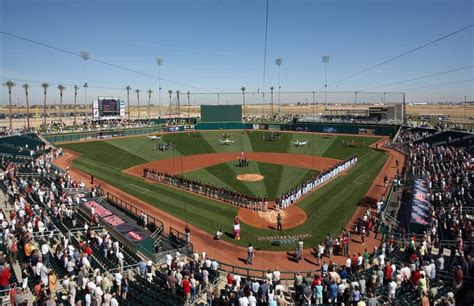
(271, 92)
(170, 93)
(26, 86)
(149, 102)
(10, 84)
(138, 102)
(61, 89)
(128, 88)
(243, 97)
(45, 87)
(76, 88)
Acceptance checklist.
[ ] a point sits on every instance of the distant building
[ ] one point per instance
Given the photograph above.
(386, 112)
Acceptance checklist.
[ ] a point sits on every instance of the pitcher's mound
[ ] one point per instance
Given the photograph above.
(250, 177)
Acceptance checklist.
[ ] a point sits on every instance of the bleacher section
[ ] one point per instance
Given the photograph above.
(20, 146)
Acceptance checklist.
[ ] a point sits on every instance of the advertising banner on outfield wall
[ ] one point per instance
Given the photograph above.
(329, 129)
(366, 131)
(258, 126)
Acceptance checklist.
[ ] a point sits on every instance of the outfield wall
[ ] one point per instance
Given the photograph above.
(345, 128)
(222, 126)
(320, 127)
(77, 136)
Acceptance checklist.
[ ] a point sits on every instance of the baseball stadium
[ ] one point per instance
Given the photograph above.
(354, 191)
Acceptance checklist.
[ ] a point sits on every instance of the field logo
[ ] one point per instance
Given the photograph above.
(285, 239)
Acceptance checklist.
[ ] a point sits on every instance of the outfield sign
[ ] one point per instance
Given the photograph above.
(329, 129)
(258, 126)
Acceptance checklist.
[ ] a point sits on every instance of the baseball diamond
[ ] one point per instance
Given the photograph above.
(243, 153)
(283, 165)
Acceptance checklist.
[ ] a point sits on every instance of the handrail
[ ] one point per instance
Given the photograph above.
(76, 190)
(134, 210)
(82, 229)
(125, 268)
(54, 232)
(156, 233)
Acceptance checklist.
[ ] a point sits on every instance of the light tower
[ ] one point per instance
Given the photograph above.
(85, 55)
(271, 93)
(159, 61)
(325, 59)
(278, 62)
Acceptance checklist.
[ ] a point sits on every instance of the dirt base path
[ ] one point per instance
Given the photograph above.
(235, 255)
(193, 162)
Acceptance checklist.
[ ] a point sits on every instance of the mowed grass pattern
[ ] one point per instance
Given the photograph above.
(328, 209)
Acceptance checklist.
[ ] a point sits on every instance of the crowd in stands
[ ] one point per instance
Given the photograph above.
(409, 136)
(64, 256)
(446, 174)
(441, 125)
(394, 273)
(345, 119)
(312, 183)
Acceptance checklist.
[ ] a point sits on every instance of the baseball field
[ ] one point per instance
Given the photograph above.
(279, 163)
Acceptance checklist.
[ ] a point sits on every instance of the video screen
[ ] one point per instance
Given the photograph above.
(109, 107)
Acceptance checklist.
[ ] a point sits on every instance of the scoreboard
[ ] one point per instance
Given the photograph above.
(108, 108)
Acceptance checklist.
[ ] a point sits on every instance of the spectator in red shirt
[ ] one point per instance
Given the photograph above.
(88, 251)
(229, 279)
(354, 262)
(415, 277)
(388, 272)
(5, 278)
(186, 287)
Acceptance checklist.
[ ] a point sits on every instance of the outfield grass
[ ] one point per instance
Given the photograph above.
(328, 209)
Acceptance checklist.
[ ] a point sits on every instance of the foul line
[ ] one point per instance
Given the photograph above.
(362, 177)
(139, 187)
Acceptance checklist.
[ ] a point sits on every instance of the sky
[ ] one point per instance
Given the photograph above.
(210, 46)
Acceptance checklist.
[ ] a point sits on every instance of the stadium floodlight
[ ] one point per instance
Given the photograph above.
(271, 93)
(278, 62)
(159, 62)
(85, 55)
(325, 59)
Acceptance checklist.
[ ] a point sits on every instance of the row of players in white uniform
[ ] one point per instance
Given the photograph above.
(299, 191)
